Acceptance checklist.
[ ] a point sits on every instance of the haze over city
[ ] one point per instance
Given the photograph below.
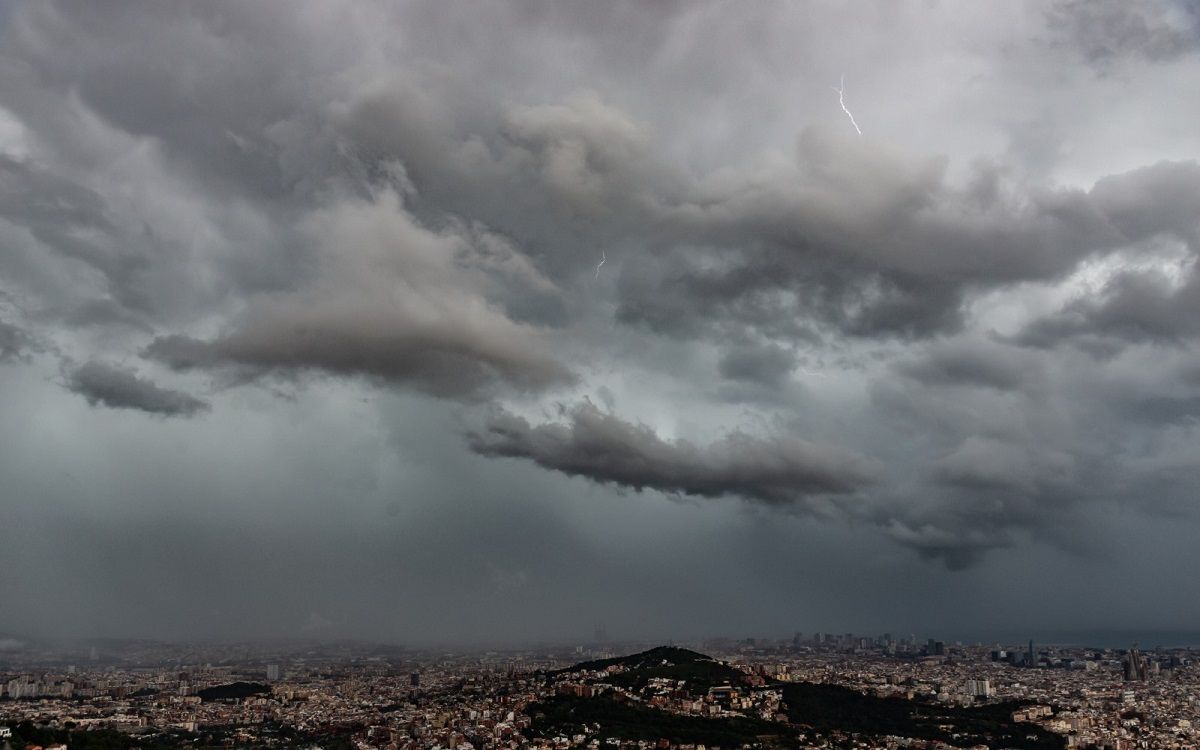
(496, 322)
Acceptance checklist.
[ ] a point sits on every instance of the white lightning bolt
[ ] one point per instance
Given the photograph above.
(603, 257)
(841, 91)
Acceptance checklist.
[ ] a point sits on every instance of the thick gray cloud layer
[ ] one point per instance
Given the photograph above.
(972, 363)
(118, 388)
(364, 231)
(1105, 31)
(866, 245)
(605, 448)
(15, 342)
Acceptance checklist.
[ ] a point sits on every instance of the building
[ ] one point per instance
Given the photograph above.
(22, 688)
(1134, 666)
(272, 672)
(980, 688)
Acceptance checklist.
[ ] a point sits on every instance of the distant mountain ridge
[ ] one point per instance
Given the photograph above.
(655, 657)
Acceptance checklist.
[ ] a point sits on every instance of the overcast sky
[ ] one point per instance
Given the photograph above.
(498, 321)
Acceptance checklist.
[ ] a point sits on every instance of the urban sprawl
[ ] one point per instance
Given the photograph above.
(360, 696)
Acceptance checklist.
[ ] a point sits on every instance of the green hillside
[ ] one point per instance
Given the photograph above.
(699, 672)
(568, 715)
(652, 658)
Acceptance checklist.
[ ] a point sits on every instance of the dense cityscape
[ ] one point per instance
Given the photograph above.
(725, 693)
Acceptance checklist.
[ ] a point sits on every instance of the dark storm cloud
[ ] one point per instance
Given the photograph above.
(451, 358)
(70, 220)
(115, 387)
(103, 312)
(985, 464)
(15, 343)
(1163, 198)
(605, 448)
(768, 365)
(1133, 306)
(983, 495)
(401, 207)
(969, 362)
(868, 245)
(957, 549)
(852, 236)
(51, 207)
(988, 493)
(1105, 31)
(408, 306)
(226, 95)
(1138, 304)
(1164, 410)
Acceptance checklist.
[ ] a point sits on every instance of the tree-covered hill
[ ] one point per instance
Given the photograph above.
(699, 672)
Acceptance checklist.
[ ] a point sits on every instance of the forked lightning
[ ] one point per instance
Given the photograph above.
(841, 91)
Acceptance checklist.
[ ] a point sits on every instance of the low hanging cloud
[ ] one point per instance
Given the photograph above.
(15, 343)
(116, 387)
(609, 450)
(451, 357)
(977, 363)
(986, 494)
(989, 464)
(861, 241)
(393, 301)
(1132, 307)
(1107, 31)
(766, 365)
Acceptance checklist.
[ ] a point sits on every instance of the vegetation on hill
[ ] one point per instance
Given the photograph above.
(827, 708)
(25, 734)
(233, 691)
(698, 677)
(652, 658)
(699, 671)
(813, 708)
(568, 715)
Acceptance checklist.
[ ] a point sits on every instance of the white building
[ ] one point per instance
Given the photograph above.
(980, 688)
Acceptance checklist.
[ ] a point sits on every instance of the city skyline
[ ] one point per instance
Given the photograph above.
(879, 693)
(15, 645)
(426, 322)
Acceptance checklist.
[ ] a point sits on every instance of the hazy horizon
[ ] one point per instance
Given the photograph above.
(1115, 640)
